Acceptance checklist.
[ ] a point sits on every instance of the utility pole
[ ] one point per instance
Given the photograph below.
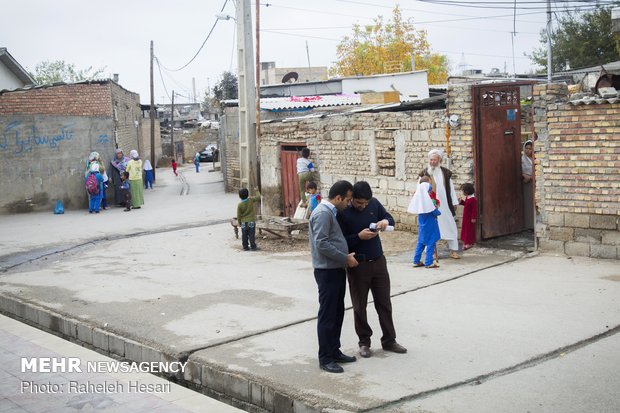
(247, 130)
(152, 114)
(549, 68)
(174, 156)
(194, 88)
(258, 72)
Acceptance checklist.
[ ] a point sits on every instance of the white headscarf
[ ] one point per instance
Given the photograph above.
(433, 152)
(147, 165)
(421, 203)
(526, 161)
(134, 154)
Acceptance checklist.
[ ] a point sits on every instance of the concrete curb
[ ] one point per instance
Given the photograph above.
(213, 381)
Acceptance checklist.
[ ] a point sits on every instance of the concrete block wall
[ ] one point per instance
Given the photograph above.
(578, 174)
(47, 134)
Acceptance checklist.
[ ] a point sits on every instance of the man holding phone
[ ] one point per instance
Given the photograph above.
(371, 274)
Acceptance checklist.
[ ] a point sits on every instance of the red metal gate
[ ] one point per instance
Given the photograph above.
(497, 146)
(290, 182)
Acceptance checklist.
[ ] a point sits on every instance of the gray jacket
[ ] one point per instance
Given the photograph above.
(327, 243)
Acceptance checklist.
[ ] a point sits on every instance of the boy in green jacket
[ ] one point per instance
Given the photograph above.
(246, 217)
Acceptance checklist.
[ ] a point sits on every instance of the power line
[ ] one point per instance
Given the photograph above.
(162, 78)
(201, 46)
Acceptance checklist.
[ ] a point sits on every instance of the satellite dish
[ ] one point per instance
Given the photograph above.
(290, 77)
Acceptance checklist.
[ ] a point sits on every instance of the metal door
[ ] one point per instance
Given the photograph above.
(290, 182)
(497, 132)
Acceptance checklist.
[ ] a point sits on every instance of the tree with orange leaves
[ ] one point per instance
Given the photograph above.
(387, 47)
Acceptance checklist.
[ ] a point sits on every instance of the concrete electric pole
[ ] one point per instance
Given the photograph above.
(247, 97)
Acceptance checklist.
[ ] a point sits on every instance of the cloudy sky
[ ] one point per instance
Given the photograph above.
(115, 35)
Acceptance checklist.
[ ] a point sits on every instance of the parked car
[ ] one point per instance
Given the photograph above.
(206, 155)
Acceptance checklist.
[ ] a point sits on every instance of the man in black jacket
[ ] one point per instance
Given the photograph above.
(371, 274)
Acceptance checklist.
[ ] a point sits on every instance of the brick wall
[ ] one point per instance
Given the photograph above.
(578, 174)
(80, 99)
(126, 112)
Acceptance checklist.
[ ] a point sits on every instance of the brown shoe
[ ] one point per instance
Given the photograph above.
(395, 348)
(454, 255)
(365, 351)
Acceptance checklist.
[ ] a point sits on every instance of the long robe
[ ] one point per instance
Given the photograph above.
(447, 224)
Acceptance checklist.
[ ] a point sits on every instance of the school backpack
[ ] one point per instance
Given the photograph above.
(92, 184)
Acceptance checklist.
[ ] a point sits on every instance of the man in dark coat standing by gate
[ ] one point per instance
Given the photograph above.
(361, 223)
(330, 257)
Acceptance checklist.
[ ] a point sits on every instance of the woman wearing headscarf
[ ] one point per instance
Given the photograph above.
(94, 190)
(119, 163)
(527, 172)
(134, 168)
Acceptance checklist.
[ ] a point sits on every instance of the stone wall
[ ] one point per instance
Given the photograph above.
(386, 149)
(229, 148)
(578, 174)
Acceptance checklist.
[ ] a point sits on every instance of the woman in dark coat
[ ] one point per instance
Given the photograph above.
(119, 163)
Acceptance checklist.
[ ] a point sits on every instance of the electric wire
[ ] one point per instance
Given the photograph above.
(162, 77)
(201, 46)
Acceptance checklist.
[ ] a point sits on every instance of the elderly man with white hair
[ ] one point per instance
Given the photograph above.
(441, 180)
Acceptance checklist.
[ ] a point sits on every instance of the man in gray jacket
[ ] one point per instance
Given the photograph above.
(330, 258)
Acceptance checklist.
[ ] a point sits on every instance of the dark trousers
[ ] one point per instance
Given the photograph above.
(332, 285)
(248, 233)
(371, 276)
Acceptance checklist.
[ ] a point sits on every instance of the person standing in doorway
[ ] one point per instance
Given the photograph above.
(371, 275)
(527, 172)
(305, 173)
(330, 257)
(442, 185)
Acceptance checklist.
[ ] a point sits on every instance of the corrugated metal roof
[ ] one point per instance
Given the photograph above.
(306, 102)
(596, 100)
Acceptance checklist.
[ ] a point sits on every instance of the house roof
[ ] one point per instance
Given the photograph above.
(611, 67)
(306, 102)
(15, 67)
(44, 86)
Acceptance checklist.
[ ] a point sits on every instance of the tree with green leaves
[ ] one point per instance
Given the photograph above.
(387, 47)
(226, 88)
(59, 71)
(581, 40)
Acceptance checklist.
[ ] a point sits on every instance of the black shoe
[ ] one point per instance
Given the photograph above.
(395, 347)
(246, 249)
(343, 358)
(332, 367)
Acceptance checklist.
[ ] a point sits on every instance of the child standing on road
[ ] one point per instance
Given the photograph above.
(428, 228)
(246, 218)
(174, 167)
(125, 192)
(470, 214)
(94, 187)
(148, 174)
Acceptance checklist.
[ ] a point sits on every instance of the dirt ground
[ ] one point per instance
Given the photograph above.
(393, 242)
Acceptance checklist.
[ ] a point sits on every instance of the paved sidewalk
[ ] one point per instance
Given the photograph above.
(22, 392)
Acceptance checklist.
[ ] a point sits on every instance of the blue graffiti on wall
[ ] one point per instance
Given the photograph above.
(25, 139)
(103, 139)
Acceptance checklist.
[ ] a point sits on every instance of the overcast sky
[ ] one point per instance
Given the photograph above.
(115, 34)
